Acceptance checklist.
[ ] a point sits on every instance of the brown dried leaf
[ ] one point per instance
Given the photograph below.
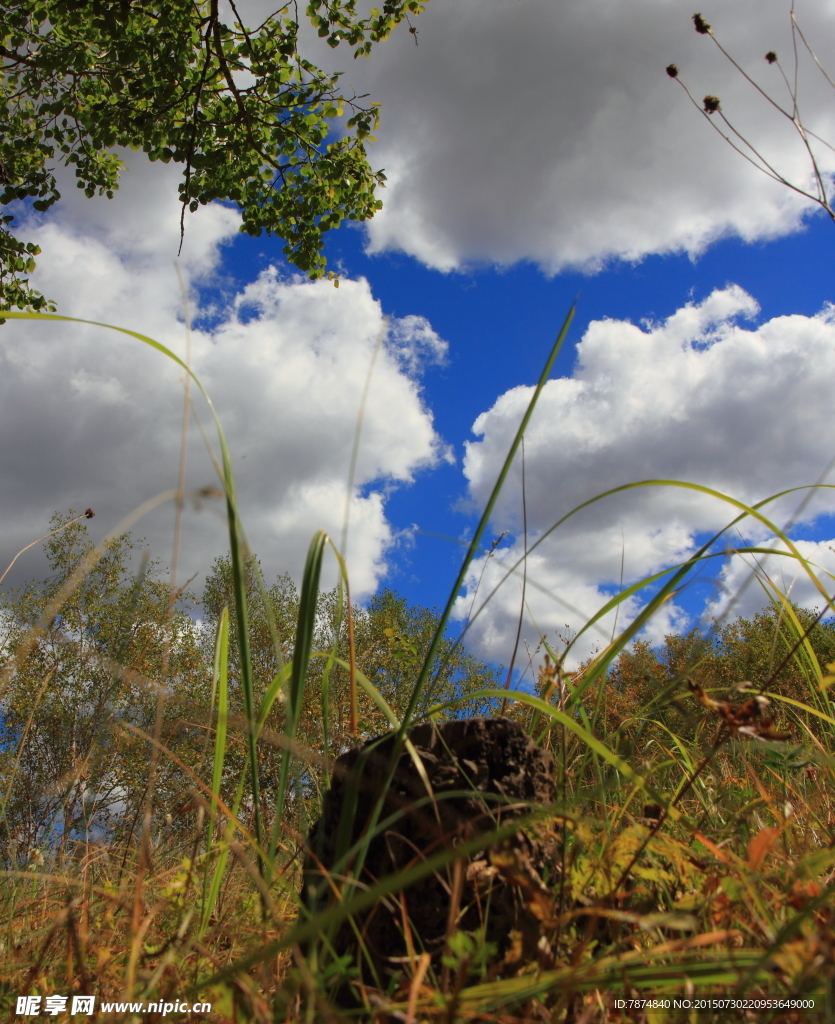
(761, 845)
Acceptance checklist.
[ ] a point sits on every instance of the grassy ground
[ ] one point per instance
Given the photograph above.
(691, 876)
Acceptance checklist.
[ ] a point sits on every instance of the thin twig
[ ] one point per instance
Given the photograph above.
(524, 579)
(84, 515)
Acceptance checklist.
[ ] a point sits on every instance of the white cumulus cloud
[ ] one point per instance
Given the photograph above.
(93, 418)
(702, 397)
(550, 132)
(748, 581)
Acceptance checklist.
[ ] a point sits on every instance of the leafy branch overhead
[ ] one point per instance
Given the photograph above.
(250, 119)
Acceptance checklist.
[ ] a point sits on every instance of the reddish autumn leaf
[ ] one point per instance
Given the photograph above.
(760, 846)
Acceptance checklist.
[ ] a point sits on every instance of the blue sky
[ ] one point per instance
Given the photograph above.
(501, 323)
(705, 348)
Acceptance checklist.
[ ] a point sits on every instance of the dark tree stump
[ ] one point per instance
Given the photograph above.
(500, 774)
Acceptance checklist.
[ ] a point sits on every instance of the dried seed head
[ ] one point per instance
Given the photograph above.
(672, 71)
(711, 104)
(701, 25)
(771, 57)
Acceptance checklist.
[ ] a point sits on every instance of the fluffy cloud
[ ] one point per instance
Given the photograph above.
(549, 131)
(746, 579)
(700, 398)
(93, 418)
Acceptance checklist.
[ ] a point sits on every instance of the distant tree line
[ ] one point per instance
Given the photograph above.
(119, 680)
(108, 707)
(783, 651)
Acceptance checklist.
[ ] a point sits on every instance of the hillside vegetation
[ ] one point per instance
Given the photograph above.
(159, 778)
(695, 836)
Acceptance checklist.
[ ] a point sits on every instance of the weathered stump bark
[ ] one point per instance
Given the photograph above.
(483, 773)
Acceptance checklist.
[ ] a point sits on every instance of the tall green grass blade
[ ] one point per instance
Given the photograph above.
(349, 616)
(472, 550)
(800, 706)
(326, 712)
(220, 681)
(619, 973)
(647, 581)
(236, 551)
(600, 666)
(804, 656)
(270, 695)
(219, 872)
(305, 627)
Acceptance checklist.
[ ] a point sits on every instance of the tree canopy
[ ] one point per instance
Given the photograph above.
(75, 686)
(248, 117)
